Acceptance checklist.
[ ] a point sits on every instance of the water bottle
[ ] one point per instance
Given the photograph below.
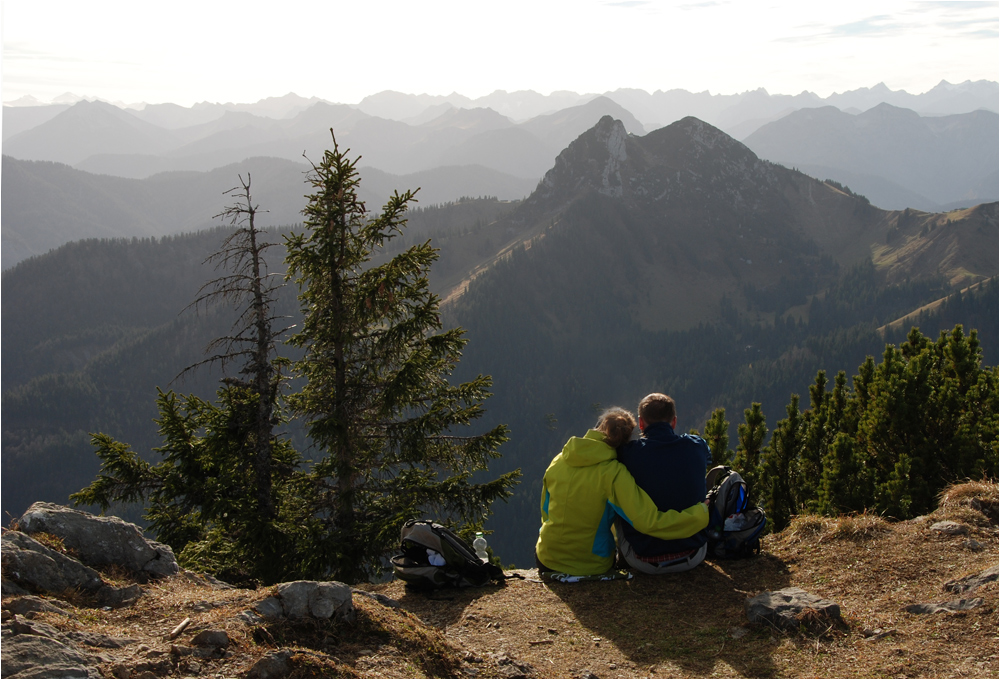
(480, 545)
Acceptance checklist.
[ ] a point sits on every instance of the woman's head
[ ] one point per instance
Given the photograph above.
(617, 425)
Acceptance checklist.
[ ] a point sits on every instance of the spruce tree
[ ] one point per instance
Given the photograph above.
(376, 397)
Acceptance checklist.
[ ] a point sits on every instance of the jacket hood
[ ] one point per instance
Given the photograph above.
(589, 449)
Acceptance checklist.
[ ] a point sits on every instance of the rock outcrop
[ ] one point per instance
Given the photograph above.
(100, 541)
(313, 599)
(38, 650)
(789, 608)
(89, 541)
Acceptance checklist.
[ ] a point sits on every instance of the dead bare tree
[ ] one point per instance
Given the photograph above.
(251, 288)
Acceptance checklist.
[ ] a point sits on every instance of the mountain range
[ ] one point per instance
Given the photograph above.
(48, 204)
(676, 261)
(454, 147)
(737, 114)
(933, 161)
(102, 138)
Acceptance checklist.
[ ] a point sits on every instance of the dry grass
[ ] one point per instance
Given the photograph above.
(684, 625)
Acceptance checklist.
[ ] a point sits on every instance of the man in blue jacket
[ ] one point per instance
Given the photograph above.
(671, 469)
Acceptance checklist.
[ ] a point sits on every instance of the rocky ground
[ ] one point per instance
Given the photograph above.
(916, 599)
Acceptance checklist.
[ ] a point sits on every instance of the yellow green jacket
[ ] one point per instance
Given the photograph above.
(583, 489)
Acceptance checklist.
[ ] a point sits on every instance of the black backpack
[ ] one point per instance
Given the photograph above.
(459, 565)
(728, 499)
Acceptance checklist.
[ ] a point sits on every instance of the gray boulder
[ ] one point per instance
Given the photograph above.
(318, 599)
(789, 607)
(100, 541)
(30, 564)
(211, 638)
(8, 587)
(36, 655)
(302, 599)
(950, 528)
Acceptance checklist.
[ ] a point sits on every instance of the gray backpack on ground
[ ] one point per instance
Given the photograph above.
(734, 528)
(434, 556)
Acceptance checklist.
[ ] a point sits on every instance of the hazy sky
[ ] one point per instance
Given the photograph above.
(183, 52)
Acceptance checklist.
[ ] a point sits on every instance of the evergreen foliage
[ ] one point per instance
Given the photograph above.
(376, 396)
(234, 498)
(925, 417)
(201, 498)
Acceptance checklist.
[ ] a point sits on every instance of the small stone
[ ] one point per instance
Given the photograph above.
(973, 581)
(949, 528)
(988, 508)
(788, 607)
(953, 606)
(386, 601)
(211, 638)
(738, 632)
(274, 665)
(972, 544)
(249, 617)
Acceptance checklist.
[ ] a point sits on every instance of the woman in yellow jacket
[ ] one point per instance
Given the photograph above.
(584, 488)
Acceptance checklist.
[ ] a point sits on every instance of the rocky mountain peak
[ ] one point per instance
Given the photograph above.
(594, 160)
(657, 168)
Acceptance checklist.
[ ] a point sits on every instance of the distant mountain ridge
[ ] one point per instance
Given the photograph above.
(519, 134)
(738, 114)
(48, 204)
(127, 146)
(940, 159)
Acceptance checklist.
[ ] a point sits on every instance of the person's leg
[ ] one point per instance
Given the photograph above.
(689, 562)
(632, 559)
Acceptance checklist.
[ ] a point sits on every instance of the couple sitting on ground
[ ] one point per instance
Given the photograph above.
(651, 489)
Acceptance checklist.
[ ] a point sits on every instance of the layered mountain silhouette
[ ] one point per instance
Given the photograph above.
(893, 156)
(102, 138)
(505, 142)
(48, 204)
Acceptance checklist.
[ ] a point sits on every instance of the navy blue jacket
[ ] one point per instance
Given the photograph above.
(671, 469)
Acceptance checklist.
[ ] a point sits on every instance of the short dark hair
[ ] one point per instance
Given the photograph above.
(657, 408)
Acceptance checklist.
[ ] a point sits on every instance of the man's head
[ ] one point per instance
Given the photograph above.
(657, 408)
